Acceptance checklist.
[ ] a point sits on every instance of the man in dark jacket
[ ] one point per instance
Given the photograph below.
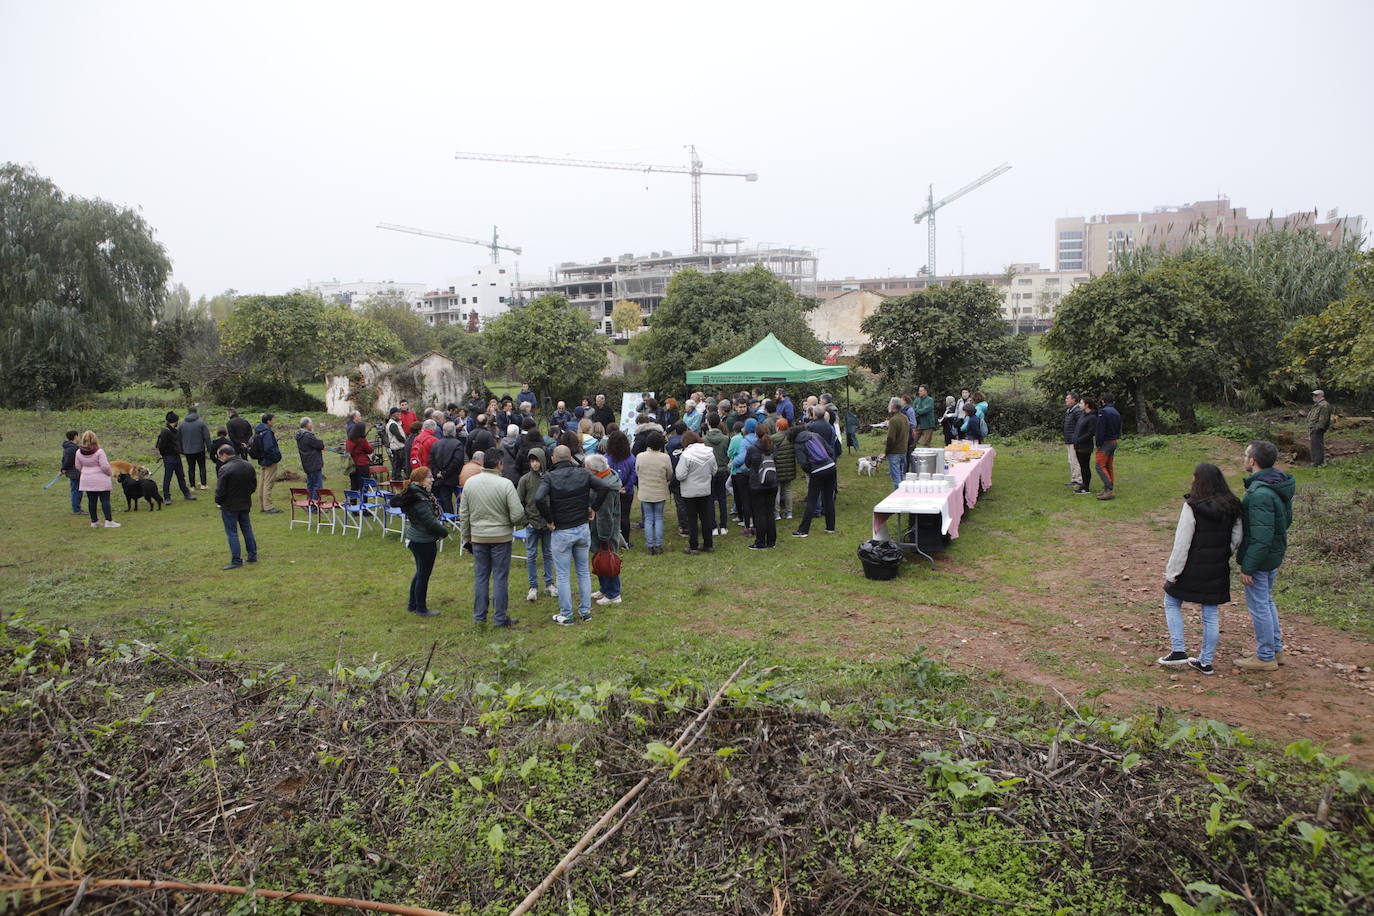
(270, 462)
(446, 461)
(1266, 513)
(234, 486)
(312, 456)
(195, 441)
(1108, 435)
(240, 430)
(569, 496)
(602, 412)
(169, 447)
(898, 441)
(69, 450)
(1072, 411)
(1318, 422)
(481, 439)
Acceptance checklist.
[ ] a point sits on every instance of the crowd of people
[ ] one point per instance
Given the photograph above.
(911, 424)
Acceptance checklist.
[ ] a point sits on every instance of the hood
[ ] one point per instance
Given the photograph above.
(192, 415)
(300, 433)
(538, 452)
(1282, 484)
(87, 450)
(715, 434)
(1213, 510)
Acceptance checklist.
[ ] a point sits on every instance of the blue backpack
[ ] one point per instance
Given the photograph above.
(816, 452)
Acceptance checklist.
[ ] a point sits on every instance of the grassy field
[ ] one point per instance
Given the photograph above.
(806, 606)
(1022, 380)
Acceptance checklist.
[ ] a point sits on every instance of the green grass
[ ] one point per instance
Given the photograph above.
(806, 606)
(1021, 381)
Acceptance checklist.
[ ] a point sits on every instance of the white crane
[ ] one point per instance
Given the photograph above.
(694, 168)
(495, 243)
(932, 205)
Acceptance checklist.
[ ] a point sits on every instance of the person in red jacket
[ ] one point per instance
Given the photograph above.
(360, 451)
(407, 415)
(419, 451)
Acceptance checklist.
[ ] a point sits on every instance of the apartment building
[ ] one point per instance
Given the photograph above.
(487, 292)
(359, 292)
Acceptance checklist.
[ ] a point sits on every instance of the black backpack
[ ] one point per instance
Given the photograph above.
(256, 450)
(765, 475)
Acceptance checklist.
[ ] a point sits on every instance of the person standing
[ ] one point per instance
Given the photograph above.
(419, 449)
(1072, 411)
(898, 437)
(924, 405)
(235, 483)
(786, 409)
(446, 461)
(1084, 432)
(396, 444)
(270, 462)
(240, 431)
(96, 477)
(1318, 422)
(965, 400)
(1267, 511)
(169, 447)
(654, 477)
(602, 412)
(407, 416)
(949, 422)
(424, 531)
(740, 444)
(359, 456)
(719, 444)
(819, 464)
(624, 463)
(569, 496)
(785, 459)
(561, 416)
(539, 535)
(763, 488)
(311, 449)
(1199, 568)
(851, 429)
(1108, 435)
(69, 450)
(527, 397)
(221, 438)
(489, 513)
(699, 482)
(605, 527)
(195, 442)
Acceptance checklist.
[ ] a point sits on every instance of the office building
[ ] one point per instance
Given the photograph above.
(486, 292)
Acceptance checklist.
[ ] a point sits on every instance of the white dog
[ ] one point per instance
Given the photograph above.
(870, 464)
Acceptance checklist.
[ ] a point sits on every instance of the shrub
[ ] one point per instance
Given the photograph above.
(249, 392)
(1028, 417)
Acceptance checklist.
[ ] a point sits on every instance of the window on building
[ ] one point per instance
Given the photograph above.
(464, 302)
(608, 306)
(1071, 235)
(1051, 281)
(1024, 281)
(502, 270)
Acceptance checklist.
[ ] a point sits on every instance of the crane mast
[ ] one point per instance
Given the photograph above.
(932, 205)
(695, 168)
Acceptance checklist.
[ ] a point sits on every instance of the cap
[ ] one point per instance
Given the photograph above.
(1319, 393)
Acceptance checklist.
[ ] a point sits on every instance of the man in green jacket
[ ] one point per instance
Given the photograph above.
(1267, 511)
(490, 512)
(1318, 422)
(924, 405)
(898, 440)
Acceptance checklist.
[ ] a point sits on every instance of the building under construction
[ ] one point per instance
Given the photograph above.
(643, 280)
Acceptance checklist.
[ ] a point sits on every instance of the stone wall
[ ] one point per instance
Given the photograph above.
(430, 381)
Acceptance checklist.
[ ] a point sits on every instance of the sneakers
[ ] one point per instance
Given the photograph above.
(232, 565)
(425, 612)
(757, 547)
(788, 515)
(605, 601)
(1252, 663)
(563, 620)
(551, 591)
(1199, 667)
(1082, 492)
(596, 596)
(1175, 658)
(587, 617)
(799, 534)
(95, 524)
(691, 551)
(109, 524)
(723, 530)
(532, 595)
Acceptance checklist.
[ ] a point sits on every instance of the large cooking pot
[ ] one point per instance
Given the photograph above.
(928, 461)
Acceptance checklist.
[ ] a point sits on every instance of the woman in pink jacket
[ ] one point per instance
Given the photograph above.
(97, 478)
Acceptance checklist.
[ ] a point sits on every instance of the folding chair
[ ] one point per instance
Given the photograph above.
(519, 537)
(391, 514)
(300, 499)
(355, 512)
(326, 503)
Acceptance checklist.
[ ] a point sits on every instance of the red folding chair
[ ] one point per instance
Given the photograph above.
(300, 499)
(328, 506)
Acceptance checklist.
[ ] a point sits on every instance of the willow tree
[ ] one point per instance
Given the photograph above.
(81, 282)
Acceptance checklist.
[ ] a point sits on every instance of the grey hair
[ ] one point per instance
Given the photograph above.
(893, 403)
(513, 430)
(949, 400)
(595, 462)
(305, 421)
(478, 456)
(430, 425)
(449, 430)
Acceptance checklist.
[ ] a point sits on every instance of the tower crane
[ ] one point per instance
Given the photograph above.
(932, 205)
(695, 168)
(495, 243)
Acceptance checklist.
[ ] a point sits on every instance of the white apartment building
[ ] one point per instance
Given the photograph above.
(359, 292)
(487, 291)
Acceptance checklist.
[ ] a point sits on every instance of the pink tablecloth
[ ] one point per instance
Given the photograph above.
(971, 478)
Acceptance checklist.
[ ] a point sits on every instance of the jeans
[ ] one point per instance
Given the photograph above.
(233, 522)
(424, 565)
(1264, 614)
(820, 491)
(1211, 628)
(192, 463)
(104, 497)
(171, 465)
(1318, 440)
(313, 481)
(76, 495)
(570, 549)
(765, 523)
(1106, 463)
(700, 515)
(491, 572)
(896, 468)
(537, 538)
(653, 524)
(609, 586)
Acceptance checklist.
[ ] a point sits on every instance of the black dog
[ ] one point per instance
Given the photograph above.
(136, 488)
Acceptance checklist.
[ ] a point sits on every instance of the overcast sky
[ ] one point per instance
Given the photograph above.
(264, 141)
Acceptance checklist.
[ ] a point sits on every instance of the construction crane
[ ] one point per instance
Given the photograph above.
(932, 205)
(495, 243)
(695, 168)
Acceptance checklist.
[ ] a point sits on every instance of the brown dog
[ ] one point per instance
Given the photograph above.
(135, 471)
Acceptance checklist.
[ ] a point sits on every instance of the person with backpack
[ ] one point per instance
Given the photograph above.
(263, 448)
(974, 430)
(1108, 436)
(1199, 568)
(763, 488)
(605, 528)
(169, 447)
(819, 464)
(419, 449)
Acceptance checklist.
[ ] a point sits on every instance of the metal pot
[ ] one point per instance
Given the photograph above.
(928, 461)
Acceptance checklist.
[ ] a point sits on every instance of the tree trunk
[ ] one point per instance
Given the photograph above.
(1145, 422)
(186, 390)
(1187, 416)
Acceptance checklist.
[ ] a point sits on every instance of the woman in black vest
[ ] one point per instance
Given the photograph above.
(1199, 568)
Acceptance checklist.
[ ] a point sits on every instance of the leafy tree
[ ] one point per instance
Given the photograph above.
(347, 339)
(1182, 331)
(1336, 347)
(219, 307)
(393, 312)
(705, 319)
(626, 317)
(181, 352)
(296, 336)
(465, 348)
(81, 281)
(947, 337)
(548, 343)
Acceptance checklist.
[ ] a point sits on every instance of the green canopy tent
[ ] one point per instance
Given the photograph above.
(766, 362)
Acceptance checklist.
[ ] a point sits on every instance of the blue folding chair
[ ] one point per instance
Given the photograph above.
(357, 514)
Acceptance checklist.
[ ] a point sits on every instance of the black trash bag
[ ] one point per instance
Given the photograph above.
(881, 559)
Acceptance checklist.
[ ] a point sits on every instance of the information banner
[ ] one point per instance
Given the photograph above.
(629, 409)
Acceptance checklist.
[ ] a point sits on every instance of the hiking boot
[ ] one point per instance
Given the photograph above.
(1278, 657)
(532, 595)
(1110, 494)
(1252, 663)
(1175, 658)
(1199, 667)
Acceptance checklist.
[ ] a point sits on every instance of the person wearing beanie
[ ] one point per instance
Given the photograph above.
(169, 447)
